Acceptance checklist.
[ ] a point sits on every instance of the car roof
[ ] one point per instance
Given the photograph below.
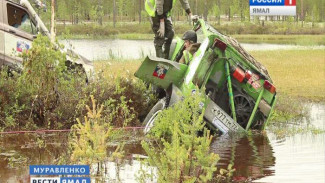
(12, 1)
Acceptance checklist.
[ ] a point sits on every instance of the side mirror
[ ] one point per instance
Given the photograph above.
(45, 8)
(38, 28)
(39, 4)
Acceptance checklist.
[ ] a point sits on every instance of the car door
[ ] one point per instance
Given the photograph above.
(161, 72)
(2, 35)
(19, 32)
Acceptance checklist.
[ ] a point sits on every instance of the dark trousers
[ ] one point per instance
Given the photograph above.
(165, 41)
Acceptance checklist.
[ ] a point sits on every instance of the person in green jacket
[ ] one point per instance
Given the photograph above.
(191, 46)
(162, 26)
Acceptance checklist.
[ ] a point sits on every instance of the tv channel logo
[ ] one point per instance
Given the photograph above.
(80, 171)
(273, 7)
(60, 180)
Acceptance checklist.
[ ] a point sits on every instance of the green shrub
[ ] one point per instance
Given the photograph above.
(46, 95)
(88, 140)
(43, 67)
(32, 94)
(178, 153)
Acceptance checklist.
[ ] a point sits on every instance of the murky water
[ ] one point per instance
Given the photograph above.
(135, 49)
(267, 157)
(300, 157)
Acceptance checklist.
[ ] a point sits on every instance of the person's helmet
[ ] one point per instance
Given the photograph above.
(190, 35)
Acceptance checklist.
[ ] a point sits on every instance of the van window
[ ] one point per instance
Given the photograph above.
(20, 19)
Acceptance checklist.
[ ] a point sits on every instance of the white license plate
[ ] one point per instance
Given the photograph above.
(217, 123)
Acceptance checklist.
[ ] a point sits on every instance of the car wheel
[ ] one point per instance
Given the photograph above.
(244, 107)
(151, 117)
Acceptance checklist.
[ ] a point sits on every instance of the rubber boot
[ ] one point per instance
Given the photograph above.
(159, 51)
(166, 51)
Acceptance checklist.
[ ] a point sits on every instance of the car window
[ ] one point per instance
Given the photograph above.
(20, 19)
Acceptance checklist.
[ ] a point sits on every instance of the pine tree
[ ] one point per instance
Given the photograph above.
(179, 154)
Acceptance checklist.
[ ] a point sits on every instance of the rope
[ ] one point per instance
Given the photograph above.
(66, 130)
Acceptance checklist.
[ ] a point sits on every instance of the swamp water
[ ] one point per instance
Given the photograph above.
(257, 157)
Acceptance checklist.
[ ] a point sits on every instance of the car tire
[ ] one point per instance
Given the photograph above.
(151, 117)
(244, 107)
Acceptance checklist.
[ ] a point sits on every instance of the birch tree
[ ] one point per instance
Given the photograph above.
(52, 20)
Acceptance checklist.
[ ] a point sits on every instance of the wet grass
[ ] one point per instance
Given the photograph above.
(289, 108)
(245, 32)
(127, 30)
(305, 40)
(118, 67)
(299, 76)
(282, 39)
(296, 73)
(289, 129)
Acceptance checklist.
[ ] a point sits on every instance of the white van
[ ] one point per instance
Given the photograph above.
(19, 25)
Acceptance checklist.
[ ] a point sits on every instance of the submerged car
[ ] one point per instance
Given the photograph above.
(241, 94)
(19, 26)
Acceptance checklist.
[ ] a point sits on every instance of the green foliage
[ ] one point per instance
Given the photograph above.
(43, 66)
(177, 151)
(32, 95)
(88, 140)
(86, 13)
(48, 95)
(129, 10)
(97, 13)
(215, 10)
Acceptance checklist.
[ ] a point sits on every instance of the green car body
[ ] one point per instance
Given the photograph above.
(241, 95)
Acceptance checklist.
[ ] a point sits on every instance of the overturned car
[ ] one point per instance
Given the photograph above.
(241, 94)
(19, 26)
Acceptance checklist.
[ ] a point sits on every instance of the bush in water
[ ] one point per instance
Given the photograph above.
(89, 138)
(177, 151)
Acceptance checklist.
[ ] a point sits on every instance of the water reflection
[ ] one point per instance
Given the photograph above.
(258, 157)
(128, 170)
(300, 157)
(251, 155)
(20, 150)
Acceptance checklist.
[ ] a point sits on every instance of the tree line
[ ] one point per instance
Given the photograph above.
(100, 11)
